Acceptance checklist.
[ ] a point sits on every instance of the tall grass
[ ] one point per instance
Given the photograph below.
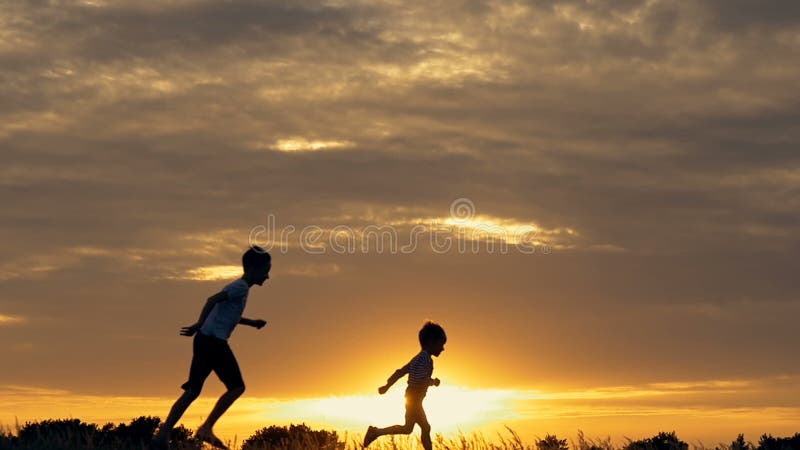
(73, 434)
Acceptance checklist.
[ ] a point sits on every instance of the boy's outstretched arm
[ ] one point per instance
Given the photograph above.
(213, 300)
(255, 323)
(399, 373)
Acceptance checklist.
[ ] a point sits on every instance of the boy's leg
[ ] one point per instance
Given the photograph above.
(198, 372)
(416, 414)
(374, 433)
(175, 414)
(425, 435)
(413, 411)
(225, 401)
(227, 370)
(406, 428)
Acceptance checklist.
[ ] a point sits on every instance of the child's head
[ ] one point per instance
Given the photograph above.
(256, 263)
(432, 338)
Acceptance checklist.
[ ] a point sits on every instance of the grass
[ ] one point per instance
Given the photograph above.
(73, 434)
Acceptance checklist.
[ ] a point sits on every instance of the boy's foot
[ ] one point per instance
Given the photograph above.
(208, 437)
(370, 436)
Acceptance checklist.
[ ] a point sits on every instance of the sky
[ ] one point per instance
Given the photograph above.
(627, 171)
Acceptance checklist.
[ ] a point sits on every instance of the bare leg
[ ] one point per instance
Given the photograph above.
(374, 433)
(205, 432)
(175, 414)
(395, 429)
(426, 436)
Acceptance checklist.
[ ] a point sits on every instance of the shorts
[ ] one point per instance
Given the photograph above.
(414, 411)
(211, 353)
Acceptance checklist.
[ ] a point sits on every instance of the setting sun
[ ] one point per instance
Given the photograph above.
(449, 407)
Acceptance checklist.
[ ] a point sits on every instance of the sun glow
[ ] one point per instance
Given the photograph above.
(305, 145)
(449, 408)
(211, 273)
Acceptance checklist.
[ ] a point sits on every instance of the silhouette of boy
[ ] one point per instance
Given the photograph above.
(220, 315)
(432, 339)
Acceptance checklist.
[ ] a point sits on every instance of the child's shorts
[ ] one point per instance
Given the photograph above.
(211, 353)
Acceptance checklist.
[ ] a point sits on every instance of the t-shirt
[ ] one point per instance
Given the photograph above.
(419, 370)
(225, 315)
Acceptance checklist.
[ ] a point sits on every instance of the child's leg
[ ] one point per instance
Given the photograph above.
(227, 370)
(225, 401)
(175, 414)
(414, 414)
(198, 372)
(374, 433)
(407, 428)
(425, 435)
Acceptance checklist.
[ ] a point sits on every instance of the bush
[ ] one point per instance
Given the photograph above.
(738, 444)
(295, 437)
(61, 433)
(138, 432)
(74, 434)
(661, 441)
(551, 442)
(768, 442)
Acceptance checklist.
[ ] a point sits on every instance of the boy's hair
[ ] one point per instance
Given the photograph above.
(255, 256)
(431, 332)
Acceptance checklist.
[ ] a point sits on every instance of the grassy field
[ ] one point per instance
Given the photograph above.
(73, 434)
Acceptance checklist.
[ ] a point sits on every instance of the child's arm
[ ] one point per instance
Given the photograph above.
(213, 300)
(256, 323)
(399, 373)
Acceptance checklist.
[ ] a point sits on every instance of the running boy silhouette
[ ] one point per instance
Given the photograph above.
(432, 339)
(222, 312)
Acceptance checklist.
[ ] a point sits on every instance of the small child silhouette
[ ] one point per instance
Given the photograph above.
(432, 339)
(211, 352)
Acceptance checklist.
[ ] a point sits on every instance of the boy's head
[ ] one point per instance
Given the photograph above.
(432, 338)
(256, 263)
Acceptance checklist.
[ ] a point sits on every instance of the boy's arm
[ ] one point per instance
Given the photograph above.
(256, 323)
(399, 373)
(213, 300)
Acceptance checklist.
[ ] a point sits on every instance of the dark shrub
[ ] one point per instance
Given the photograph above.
(295, 437)
(62, 433)
(661, 441)
(139, 431)
(551, 442)
(768, 442)
(740, 444)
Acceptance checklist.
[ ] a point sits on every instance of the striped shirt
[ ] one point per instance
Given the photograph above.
(419, 370)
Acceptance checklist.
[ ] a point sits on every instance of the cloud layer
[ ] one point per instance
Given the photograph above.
(652, 144)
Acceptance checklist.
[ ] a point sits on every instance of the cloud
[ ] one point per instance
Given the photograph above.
(652, 143)
(557, 121)
(211, 273)
(38, 266)
(314, 270)
(304, 145)
(11, 320)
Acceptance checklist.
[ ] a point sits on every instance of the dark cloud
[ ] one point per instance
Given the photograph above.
(665, 131)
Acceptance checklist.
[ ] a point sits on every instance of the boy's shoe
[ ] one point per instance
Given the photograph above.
(370, 436)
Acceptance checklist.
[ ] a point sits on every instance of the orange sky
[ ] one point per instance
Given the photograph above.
(644, 152)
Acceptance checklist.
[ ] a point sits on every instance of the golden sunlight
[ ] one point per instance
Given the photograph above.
(304, 145)
(212, 273)
(6, 319)
(449, 407)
